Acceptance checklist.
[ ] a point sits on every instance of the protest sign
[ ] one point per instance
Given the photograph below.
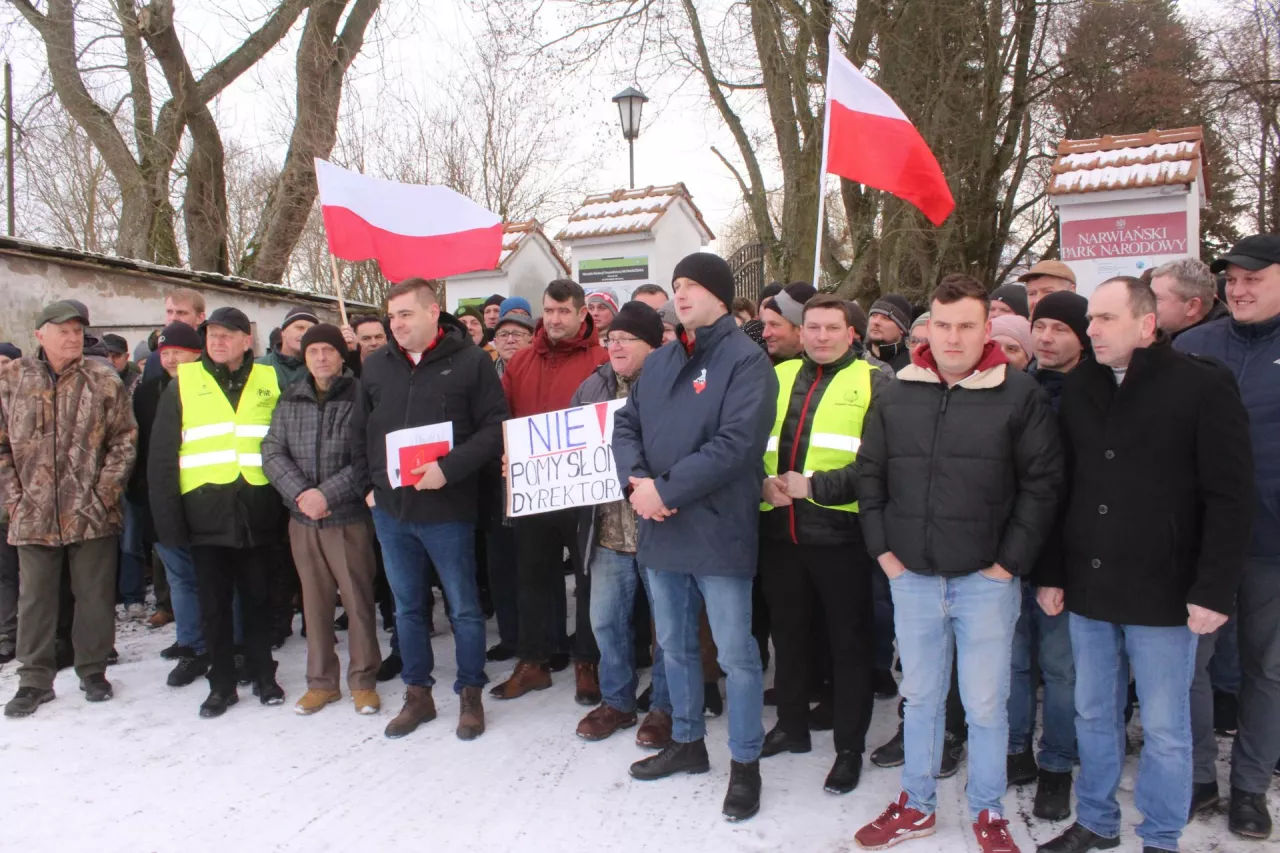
(562, 459)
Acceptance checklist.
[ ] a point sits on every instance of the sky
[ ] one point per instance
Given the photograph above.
(415, 47)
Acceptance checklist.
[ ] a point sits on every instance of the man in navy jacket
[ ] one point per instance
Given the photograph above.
(1249, 345)
(689, 445)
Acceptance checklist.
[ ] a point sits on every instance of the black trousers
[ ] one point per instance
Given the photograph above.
(540, 543)
(221, 572)
(841, 577)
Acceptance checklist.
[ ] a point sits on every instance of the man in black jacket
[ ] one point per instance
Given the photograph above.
(209, 493)
(959, 473)
(888, 324)
(811, 547)
(425, 501)
(1154, 535)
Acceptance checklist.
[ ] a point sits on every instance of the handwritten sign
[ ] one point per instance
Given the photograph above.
(560, 460)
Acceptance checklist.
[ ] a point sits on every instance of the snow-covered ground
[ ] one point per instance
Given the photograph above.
(144, 774)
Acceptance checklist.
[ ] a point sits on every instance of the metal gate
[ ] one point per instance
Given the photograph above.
(747, 265)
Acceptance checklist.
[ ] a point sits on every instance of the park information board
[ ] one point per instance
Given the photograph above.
(563, 459)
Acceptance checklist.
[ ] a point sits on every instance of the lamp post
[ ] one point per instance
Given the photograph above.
(630, 102)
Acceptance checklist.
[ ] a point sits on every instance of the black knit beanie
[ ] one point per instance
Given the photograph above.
(710, 271)
(1069, 308)
(637, 318)
(324, 333)
(1013, 295)
(896, 308)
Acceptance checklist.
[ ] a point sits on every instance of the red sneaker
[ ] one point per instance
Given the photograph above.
(897, 824)
(993, 834)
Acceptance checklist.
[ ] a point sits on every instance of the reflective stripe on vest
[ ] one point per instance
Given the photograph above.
(835, 426)
(220, 445)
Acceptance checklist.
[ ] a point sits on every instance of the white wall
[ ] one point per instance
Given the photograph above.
(475, 285)
(1121, 204)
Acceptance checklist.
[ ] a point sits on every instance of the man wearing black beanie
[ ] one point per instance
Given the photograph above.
(783, 315)
(1060, 329)
(689, 445)
(1009, 299)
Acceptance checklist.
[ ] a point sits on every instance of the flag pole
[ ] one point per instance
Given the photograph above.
(337, 288)
(832, 44)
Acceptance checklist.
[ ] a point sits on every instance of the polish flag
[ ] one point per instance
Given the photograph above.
(411, 230)
(871, 141)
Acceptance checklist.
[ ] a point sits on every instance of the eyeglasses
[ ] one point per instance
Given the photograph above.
(616, 340)
(513, 335)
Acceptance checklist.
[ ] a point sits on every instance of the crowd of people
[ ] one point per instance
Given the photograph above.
(990, 494)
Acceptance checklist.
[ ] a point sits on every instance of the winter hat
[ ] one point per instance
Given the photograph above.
(10, 351)
(496, 299)
(640, 320)
(604, 299)
(773, 288)
(667, 313)
(920, 321)
(1014, 296)
(470, 311)
(515, 303)
(896, 308)
(115, 344)
(296, 314)
(710, 271)
(179, 335)
(1069, 308)
(857, 318)
(789, 302)
(754, 329)
(1013, 326)
(324, 333)
(141, 351)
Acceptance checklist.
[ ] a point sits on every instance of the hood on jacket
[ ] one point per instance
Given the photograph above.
(451, 337)
(988, 373)
(585, 338)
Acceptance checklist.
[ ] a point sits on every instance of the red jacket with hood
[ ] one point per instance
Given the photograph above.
(543, 377)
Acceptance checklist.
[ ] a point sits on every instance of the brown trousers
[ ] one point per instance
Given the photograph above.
(93, 583)
(334, 560)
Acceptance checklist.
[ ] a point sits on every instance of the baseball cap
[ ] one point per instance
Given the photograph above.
(230, 318)
(1253, 253)
(1054, 268)
(62, 311)
(115, 344)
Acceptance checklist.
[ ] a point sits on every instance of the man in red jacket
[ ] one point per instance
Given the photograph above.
(543, 378)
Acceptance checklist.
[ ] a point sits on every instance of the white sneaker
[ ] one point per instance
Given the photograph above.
(135, 612)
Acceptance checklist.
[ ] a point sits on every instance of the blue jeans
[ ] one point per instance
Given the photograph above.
(980, 614)
(133, 581)
(450, 546)
(1163, 661)
(613, 598)
(184, 593)
(1047, 640)
(677, 599)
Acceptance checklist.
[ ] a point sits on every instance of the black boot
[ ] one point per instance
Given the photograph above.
(266, 688)
(499, 652)
(1226, 708)
(96, 688)
(27, 700)
(391, 667)
(675, 758)
(845, 773)
(1053, 796)
(952, 755)
(884, 684)
(743, 800)
(558, 661)
(712, 701)
(177, 652)
(218, 703)
(822, 717)
(1021, 768)
(1077, 839)
(1204, 795)
(1248, 816)
(778, 741)
(893, 753)
(242, 669)
(645, 699)
(188, 670)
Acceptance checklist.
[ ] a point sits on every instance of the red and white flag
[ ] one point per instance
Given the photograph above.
(872, 141)
(411, 230)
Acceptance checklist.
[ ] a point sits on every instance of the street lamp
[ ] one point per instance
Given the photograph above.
(630, 102)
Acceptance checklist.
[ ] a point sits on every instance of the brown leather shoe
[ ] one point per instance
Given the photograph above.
(418, 708)
(527, 676)
(587, 676)
(159, 619)
(655, 731)
(604, 721)
(470, 714)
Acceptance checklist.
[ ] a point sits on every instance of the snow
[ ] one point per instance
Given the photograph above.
(598, 226)
(1128, 156)
(145, 773)
(1121, 177)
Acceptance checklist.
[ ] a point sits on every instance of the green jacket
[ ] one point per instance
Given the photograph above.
(288, 369)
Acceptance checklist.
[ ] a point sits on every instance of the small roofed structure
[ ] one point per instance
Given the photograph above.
(625, 238)
(528, 261)
(1127, 203)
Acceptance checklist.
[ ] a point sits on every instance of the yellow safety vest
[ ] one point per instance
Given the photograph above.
(220, 445)
(836, 429)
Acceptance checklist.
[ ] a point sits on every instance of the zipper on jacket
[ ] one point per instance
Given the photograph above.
(57, 502)
(795, 447)
(928, 492)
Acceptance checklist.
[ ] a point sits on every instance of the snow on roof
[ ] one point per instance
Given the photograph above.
(627, 212)
(514, 234)
(1153, 159)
